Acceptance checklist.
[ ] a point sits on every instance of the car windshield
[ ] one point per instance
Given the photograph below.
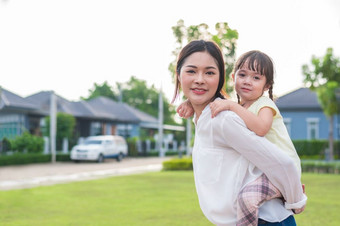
(88, 142)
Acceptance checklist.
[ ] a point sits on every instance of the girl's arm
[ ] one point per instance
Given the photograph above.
(271, 160)
(259, 124)
(185, 109)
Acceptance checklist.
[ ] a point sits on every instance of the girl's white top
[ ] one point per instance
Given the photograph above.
(227, 156)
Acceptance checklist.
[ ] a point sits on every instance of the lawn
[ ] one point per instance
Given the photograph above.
(161, 198)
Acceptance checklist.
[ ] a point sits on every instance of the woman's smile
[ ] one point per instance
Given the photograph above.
(199, 91)
(199, 78)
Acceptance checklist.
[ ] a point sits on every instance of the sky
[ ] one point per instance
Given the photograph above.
(68, 45)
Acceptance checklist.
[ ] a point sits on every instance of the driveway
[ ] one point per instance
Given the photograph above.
(27, 176)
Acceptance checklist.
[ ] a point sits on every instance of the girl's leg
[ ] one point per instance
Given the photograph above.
(251, 197)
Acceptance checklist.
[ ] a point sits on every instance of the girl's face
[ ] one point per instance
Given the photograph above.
(199, 78)
(249, 85)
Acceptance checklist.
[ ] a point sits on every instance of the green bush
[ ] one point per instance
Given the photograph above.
(132, 147)
(320, 166)
(168, 153)
(314, 149)
(65, 127)
(29, 158)
(6, 145)
(314, 166)
(28, 142)
(178, 164)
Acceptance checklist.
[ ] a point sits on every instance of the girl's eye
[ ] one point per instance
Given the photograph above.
(256, 78)
(241, 75)
(210, 73)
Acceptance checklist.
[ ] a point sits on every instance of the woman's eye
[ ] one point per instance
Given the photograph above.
(190, 71)
(210, 73)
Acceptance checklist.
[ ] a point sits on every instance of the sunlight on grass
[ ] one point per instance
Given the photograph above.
(161, 198)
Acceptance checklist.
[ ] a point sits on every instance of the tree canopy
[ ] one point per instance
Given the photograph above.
(136, 93)
(225, 38)
(101, 90)
(323, 77)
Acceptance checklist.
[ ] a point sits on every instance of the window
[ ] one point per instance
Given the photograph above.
(312, 128)
(288, 123)
(95, 129)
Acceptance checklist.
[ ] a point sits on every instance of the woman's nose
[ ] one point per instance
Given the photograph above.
(199, 78)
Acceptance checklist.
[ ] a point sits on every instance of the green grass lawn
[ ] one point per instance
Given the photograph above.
(162, 198)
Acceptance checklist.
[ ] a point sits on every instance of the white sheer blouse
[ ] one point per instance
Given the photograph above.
(227, 156)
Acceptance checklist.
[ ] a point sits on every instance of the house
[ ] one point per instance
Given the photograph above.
(99, 116)
(304, 117)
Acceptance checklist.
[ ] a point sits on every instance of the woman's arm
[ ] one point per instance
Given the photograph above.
(259, 124)
(271, 160)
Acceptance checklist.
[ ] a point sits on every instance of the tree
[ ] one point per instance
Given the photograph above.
(225, 38)
(324, 79)
(65, 127)
(101, 90)
(137, 94)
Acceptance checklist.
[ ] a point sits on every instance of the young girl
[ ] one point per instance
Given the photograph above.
(253, 75)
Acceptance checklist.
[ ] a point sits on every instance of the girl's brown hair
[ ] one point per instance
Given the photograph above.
(259, 62)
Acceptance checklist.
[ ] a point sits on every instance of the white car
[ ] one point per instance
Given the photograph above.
(97, 148)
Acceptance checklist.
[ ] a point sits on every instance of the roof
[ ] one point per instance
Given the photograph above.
(12, 101)
(101, 108)
(300, 99)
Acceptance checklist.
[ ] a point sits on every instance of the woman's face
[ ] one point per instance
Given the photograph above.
(199, 78)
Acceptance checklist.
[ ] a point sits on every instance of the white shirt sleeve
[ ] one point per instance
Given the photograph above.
(272, 161)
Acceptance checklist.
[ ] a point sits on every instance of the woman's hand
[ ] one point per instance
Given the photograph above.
(300, 210)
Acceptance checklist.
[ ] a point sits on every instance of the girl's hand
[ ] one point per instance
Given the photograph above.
(220, 105)
(185, 110)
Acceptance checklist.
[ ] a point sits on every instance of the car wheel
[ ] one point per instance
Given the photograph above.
(120, 157)
(100, 158)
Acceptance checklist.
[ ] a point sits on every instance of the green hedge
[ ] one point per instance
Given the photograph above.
(314, 148)
(178, 164)
(28, 158)
(320, 166)
(306, 166)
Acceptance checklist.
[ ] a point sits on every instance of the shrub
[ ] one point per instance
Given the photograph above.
(6, 145)
(314, 149)
(178, 164)
(132, 147)
(28, 142)
(29, 158)
(320, 166)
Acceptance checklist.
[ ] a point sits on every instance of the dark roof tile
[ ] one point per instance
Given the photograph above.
(300, 99)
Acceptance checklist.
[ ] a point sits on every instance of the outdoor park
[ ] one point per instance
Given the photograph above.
(168, 196)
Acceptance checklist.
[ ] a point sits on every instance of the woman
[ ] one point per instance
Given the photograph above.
(226, 155)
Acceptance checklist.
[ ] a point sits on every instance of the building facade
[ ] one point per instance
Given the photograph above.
(304, 117)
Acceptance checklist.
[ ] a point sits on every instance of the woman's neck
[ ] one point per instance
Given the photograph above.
(198, 111)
